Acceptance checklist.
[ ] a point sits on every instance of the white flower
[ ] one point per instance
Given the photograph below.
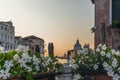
(79, 52)
(74, 66)
(8, 64)
(22, 48)
(116, 77)
(49, 59)
(95, 67)
(99, 45)
(37, 68)
(22, 63)
(42, 56)
(114, 63)
(117, 53)
(113, 51)
(85, 50)
(70, 61)
(44, 64)
(110, 73)
(102, 53)
(119, 69)
(103, 47)
(105, 65)
(35, 60)
(1, 49)
(79, 61)
(29, 69)
(77, 77)
(108, 55)
(4, 74)
(98, 49)
(16, 57)
(26, 57)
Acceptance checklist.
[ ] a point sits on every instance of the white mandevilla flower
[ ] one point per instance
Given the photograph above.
(117, 53)
(103, 47)
(113, 51)
(108, 55)
(110, 73)
(44, 64)
(79, 52)
(1, 49)
(35, 60)
(22, 48)
(77, 77)
(48, 61)
(16, 57)
(4, 74)
(79, 61)
(119, 69)
(105, 65)
(22, 63)
(74, 66)
(99, 45)
(8, 64)
(114, 63)
(42, 56)
(37, 68)
(85, 50)
(102, 53)
(29, 69)
(116, 77)
(98, 49)
(26, 57)
(95, 66)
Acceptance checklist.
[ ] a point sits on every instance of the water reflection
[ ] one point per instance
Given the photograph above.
(62, 61)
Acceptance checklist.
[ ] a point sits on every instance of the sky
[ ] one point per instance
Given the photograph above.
(59, 21)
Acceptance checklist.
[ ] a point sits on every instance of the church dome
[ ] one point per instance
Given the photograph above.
(77, 45)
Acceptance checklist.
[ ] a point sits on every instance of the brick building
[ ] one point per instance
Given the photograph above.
(107, 22)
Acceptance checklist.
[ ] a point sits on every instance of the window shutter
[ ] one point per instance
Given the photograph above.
(115, 10)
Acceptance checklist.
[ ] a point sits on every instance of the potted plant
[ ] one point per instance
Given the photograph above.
(24, 65)
(103, 62)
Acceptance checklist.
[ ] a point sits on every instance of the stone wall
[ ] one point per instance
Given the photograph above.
(102, 15)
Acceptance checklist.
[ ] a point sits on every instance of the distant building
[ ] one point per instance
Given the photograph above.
(73, 51)
(35, 44)
(86, 46)
(107, 22)
(51, 49)
(18, 41)
(7, 35)
(77, 46)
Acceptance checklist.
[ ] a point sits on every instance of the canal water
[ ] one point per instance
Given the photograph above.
(62, 60)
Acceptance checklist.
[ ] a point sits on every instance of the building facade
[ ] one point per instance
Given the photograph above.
(72, 52)
(35, 44)
(7, 35)
(18, 41)
(107, 22)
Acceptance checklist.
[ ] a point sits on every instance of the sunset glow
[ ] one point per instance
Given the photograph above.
(59, 21)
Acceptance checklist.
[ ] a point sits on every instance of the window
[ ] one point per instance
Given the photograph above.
(5, 29)
(116, 12)
(119, 47)
(1, 27)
